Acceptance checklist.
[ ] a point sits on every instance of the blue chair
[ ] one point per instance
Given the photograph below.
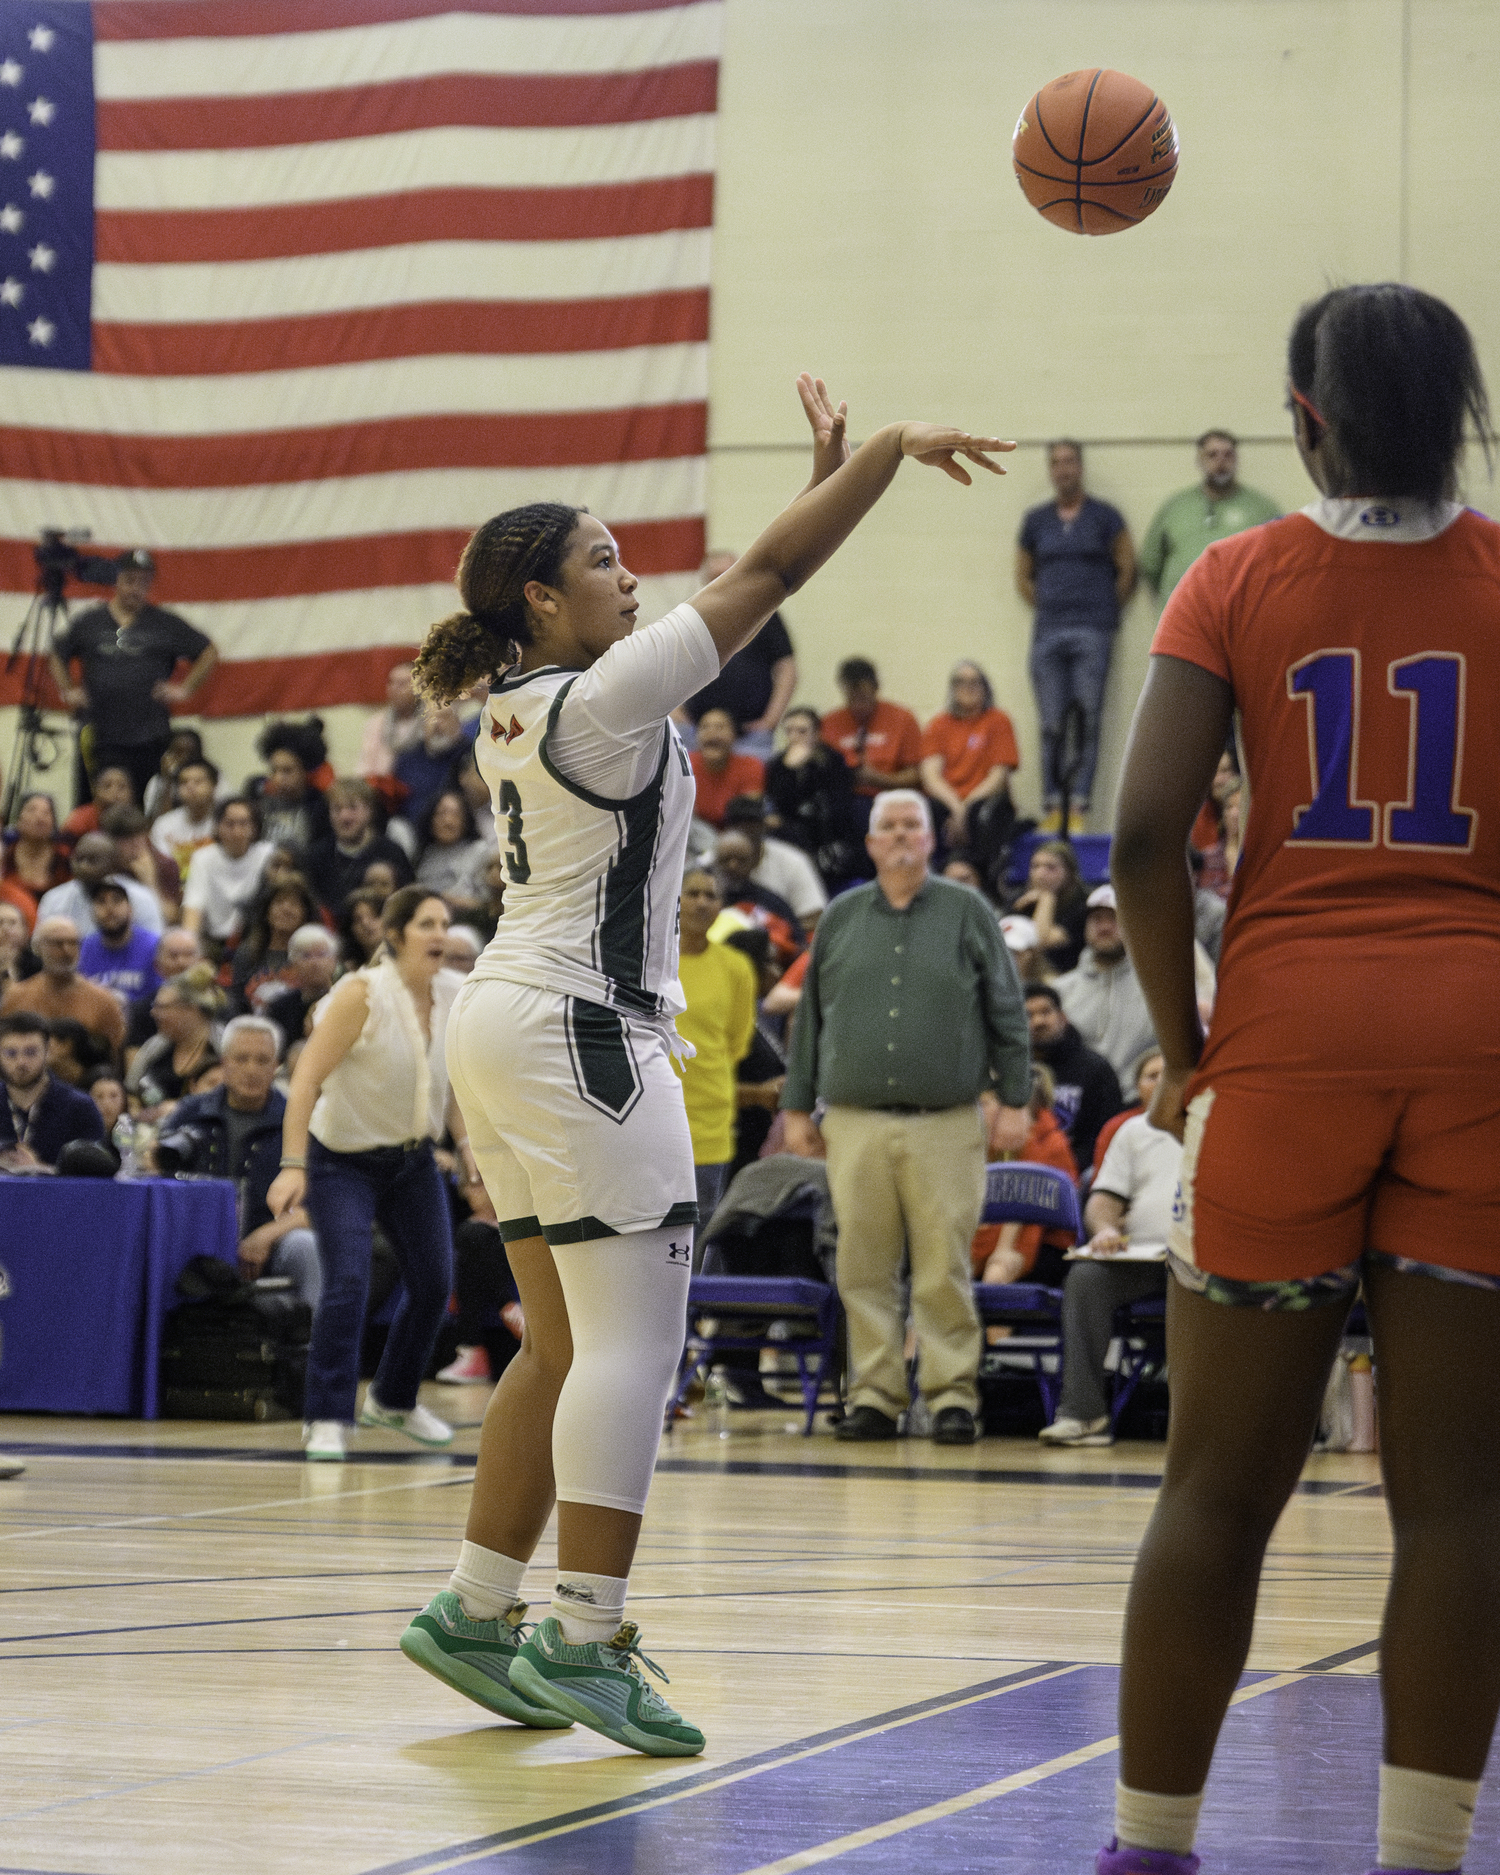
(743, 1309)
(1020, 1192)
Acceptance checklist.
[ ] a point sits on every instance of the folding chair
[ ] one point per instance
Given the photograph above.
(1020, 1192)
(1141, 1330)
(743, 1309)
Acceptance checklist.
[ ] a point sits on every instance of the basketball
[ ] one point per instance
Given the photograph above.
(1095, 152)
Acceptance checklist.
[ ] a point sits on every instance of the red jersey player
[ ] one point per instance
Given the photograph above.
(1342, 1122)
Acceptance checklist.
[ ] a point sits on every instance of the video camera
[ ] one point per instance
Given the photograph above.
(58, 559)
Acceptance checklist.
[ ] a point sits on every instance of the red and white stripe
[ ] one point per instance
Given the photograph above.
(366, 274)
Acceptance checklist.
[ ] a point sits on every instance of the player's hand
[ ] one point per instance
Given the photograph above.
(939, 447)
(1106, 1243)
(288, 1189)
(75, 697)
(170, 694)
(1168, 1110)
(830, 426)
(803, 1136)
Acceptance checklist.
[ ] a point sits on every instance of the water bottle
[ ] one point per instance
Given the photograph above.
(123, 1137)
(716, 1405)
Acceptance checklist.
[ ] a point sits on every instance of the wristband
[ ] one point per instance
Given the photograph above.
(293, 1164)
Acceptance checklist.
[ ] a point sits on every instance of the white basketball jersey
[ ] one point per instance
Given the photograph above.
(593, 880)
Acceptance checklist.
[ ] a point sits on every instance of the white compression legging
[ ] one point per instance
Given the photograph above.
(627, 1308)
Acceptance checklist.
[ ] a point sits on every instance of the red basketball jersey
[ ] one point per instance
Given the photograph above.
(1363, 650)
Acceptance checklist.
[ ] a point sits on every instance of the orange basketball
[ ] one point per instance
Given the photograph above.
(1095, 152)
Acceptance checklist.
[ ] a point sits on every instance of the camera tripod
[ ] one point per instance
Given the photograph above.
(37, 745)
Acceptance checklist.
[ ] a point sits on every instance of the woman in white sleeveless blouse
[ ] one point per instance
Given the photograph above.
(371, 1088)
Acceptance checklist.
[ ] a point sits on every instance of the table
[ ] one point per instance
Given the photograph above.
(88, 1268)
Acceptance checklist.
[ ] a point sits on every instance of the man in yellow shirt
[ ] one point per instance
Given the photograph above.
(718, 985)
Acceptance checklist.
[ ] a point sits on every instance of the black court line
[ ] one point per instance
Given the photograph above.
(231, 1621)
(1330, 1661)
(734, 1767)
(259, 1455)
(685, 1467)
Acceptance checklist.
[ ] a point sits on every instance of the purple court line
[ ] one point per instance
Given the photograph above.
(749, 1769)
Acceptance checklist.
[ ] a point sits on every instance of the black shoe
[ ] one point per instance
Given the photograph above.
(867, 1422)
(954, 1426)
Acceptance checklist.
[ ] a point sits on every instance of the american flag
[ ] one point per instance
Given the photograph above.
(297, 292)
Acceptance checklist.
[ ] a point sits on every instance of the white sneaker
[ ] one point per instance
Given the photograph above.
(324, 1441)
(419, 1424)
(1064, 1431)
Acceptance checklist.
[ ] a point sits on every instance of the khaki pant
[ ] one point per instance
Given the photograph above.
(913, 1181)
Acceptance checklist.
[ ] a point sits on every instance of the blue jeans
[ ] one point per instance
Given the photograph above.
(346, 1193)
(1069, 664)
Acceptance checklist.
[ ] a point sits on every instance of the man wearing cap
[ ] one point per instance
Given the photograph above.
(1102, 996)
(115, 954)
(128, 651)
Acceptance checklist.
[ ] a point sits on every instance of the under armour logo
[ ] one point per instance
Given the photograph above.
(679, 1253)
(507, 736)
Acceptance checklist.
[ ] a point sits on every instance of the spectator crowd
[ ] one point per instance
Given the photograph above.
(164, 945)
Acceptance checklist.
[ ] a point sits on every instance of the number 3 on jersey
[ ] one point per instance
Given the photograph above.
(517, 865)
(1430, 816)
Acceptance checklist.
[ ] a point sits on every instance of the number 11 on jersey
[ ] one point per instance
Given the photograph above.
(1430, 818)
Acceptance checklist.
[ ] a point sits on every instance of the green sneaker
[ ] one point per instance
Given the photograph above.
(475, 1657)
(600, 1684)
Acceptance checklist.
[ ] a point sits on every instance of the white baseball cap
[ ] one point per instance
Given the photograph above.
(1102, 898)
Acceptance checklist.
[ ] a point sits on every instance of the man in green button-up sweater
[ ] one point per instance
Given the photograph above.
(912, 1032)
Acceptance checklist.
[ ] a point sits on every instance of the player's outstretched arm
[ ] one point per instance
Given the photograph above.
(823, 516)
(1176, 738)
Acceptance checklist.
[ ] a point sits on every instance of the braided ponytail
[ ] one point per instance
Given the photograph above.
(473, 646)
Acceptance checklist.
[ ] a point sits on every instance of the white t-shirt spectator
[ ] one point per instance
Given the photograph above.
(1141, 1168)
(788, 872)
(179, 837)
(221, 887)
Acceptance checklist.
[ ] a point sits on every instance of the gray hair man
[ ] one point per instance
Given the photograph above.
(235, 1132)
(911, 1036)
(312, 963)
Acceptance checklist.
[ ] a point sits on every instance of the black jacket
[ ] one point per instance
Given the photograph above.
(60, 1115)
(196, 1139)
(1087, 1091)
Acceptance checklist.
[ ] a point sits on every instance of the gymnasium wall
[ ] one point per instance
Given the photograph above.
(869, 228)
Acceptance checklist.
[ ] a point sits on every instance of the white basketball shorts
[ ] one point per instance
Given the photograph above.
(574, 1111)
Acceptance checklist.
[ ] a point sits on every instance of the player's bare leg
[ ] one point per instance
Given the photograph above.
(1440, 1452)
(514, 1489)
(1247, 1385)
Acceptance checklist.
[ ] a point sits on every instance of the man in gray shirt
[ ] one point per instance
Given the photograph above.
(912, 1033)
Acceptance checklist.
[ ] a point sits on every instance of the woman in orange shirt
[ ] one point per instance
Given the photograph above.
(969, 754)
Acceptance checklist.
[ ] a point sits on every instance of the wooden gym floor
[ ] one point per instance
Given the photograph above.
(903, 1656)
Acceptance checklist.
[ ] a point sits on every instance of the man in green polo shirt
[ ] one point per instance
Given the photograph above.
(911, 1030)
(1210, 510)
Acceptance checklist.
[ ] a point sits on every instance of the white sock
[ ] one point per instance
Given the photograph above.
(588, 1608)
(1425, 1819)
(486, 1583)
(1144, 1819)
